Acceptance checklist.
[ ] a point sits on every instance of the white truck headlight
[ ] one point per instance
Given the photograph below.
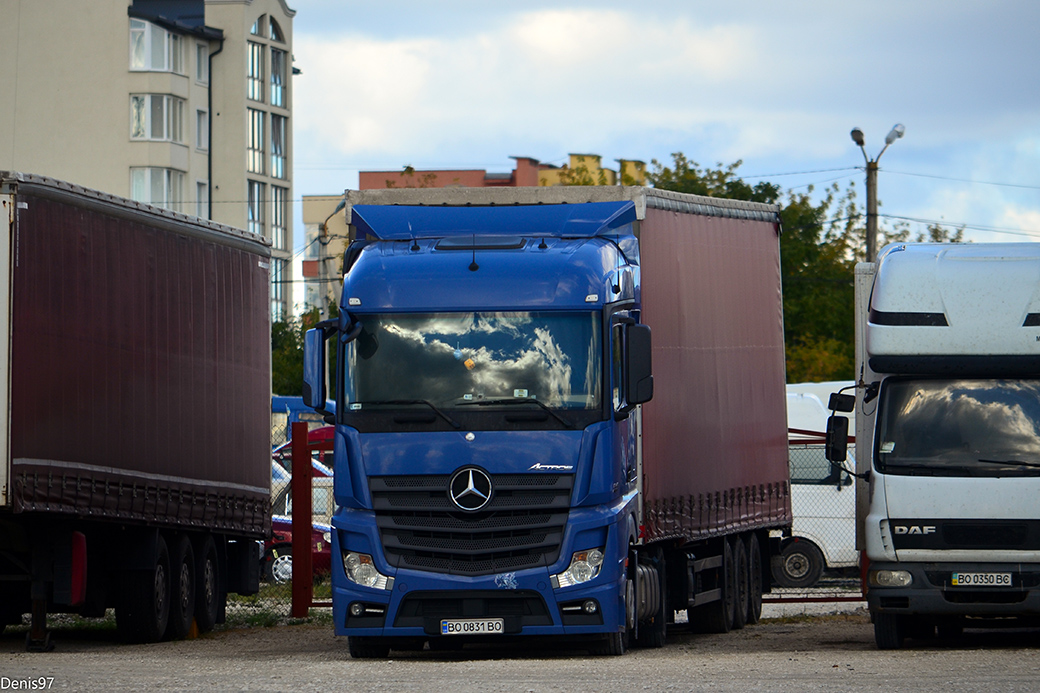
(889, 578)
(361, 570)
(584, 566)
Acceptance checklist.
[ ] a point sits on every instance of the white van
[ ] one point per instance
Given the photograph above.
(823, 498)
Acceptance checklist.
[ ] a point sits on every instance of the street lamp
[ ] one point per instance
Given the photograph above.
(872, 168)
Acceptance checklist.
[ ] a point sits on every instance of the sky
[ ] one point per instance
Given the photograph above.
(775, 84)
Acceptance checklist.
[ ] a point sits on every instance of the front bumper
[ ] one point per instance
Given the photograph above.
(932, 592)
(417, 601)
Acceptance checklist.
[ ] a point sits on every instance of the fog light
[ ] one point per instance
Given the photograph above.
(357, 608)
(890, 578)
(590, 606)
(584, 566)
(360, 569)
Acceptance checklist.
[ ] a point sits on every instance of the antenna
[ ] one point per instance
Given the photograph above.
(473, 266)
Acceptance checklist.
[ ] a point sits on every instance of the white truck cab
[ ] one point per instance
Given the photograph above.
(948, 414)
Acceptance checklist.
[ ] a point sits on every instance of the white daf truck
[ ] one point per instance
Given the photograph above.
(948, 437)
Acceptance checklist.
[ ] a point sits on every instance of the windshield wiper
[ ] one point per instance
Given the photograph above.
(1016, 463)
(426, 402)
(517, 400)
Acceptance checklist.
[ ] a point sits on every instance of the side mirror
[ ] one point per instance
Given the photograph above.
(837, 446)
(839, 402)
(314, 360)
(639, 383)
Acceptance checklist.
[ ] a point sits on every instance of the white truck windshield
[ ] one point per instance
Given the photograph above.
(959, 427)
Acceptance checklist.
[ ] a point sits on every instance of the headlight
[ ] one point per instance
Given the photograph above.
(889, 578)
(360, 569)
(584, 566)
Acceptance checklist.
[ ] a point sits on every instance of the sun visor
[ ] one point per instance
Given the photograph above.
(392, 222)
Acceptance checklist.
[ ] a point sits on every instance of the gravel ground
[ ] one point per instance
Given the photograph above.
(795, 652)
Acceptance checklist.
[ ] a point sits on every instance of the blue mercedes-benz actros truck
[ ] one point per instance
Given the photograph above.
(515, 454)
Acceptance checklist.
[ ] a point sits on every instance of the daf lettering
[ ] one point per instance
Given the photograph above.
(915, 529)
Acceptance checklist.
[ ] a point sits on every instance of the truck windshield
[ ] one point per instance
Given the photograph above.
(459, 360)
(959, 427)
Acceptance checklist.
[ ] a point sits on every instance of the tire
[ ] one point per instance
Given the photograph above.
(754, 612)
(182, 589)
(800, 564)
(612, 645)
(209, 599)
(368, 648)
(741, 580)
(717, 617)
(144, 608)
(889, 631)
(277, 567)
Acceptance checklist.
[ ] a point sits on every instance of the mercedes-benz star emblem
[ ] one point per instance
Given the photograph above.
(470, 489)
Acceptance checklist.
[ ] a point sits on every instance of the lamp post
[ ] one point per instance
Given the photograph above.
(872, 168)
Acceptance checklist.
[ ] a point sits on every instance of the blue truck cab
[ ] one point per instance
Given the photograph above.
(491, 359)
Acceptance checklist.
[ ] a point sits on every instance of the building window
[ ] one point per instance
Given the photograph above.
(153, 48)
(278, 147)
(275, 33)
(258, 26)
(202, 199)
(278, 282)
(202, 130)
(202, 63)
(156, 117)
(162, 187)
(255, 74)
(279, 216)
(255, 204)
(278, 81)
(255, 147)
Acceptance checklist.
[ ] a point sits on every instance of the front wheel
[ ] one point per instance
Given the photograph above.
(368, 648)
(612, 645)
(889, 631)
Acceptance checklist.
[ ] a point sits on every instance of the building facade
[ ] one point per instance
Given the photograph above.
(182, 104)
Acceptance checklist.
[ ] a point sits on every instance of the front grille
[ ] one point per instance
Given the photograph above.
(980, 535)
(521, 527)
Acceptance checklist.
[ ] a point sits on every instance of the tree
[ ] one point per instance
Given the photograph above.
(817, 262)
(287, 351)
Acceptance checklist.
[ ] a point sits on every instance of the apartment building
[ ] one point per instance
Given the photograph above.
(182, 104)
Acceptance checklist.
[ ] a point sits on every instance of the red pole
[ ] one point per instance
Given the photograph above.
(302, 543)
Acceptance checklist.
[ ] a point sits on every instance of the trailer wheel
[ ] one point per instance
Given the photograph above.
(182, 589)
(799, 564)
(754, 612)
(741, 580)
(208, 598)
(889, 631)
(144, 608)
(717, 617)
(368, 648)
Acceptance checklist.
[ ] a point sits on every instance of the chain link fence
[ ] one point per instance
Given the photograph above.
(819, 561)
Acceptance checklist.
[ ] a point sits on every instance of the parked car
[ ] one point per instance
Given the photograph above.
(276, 562)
